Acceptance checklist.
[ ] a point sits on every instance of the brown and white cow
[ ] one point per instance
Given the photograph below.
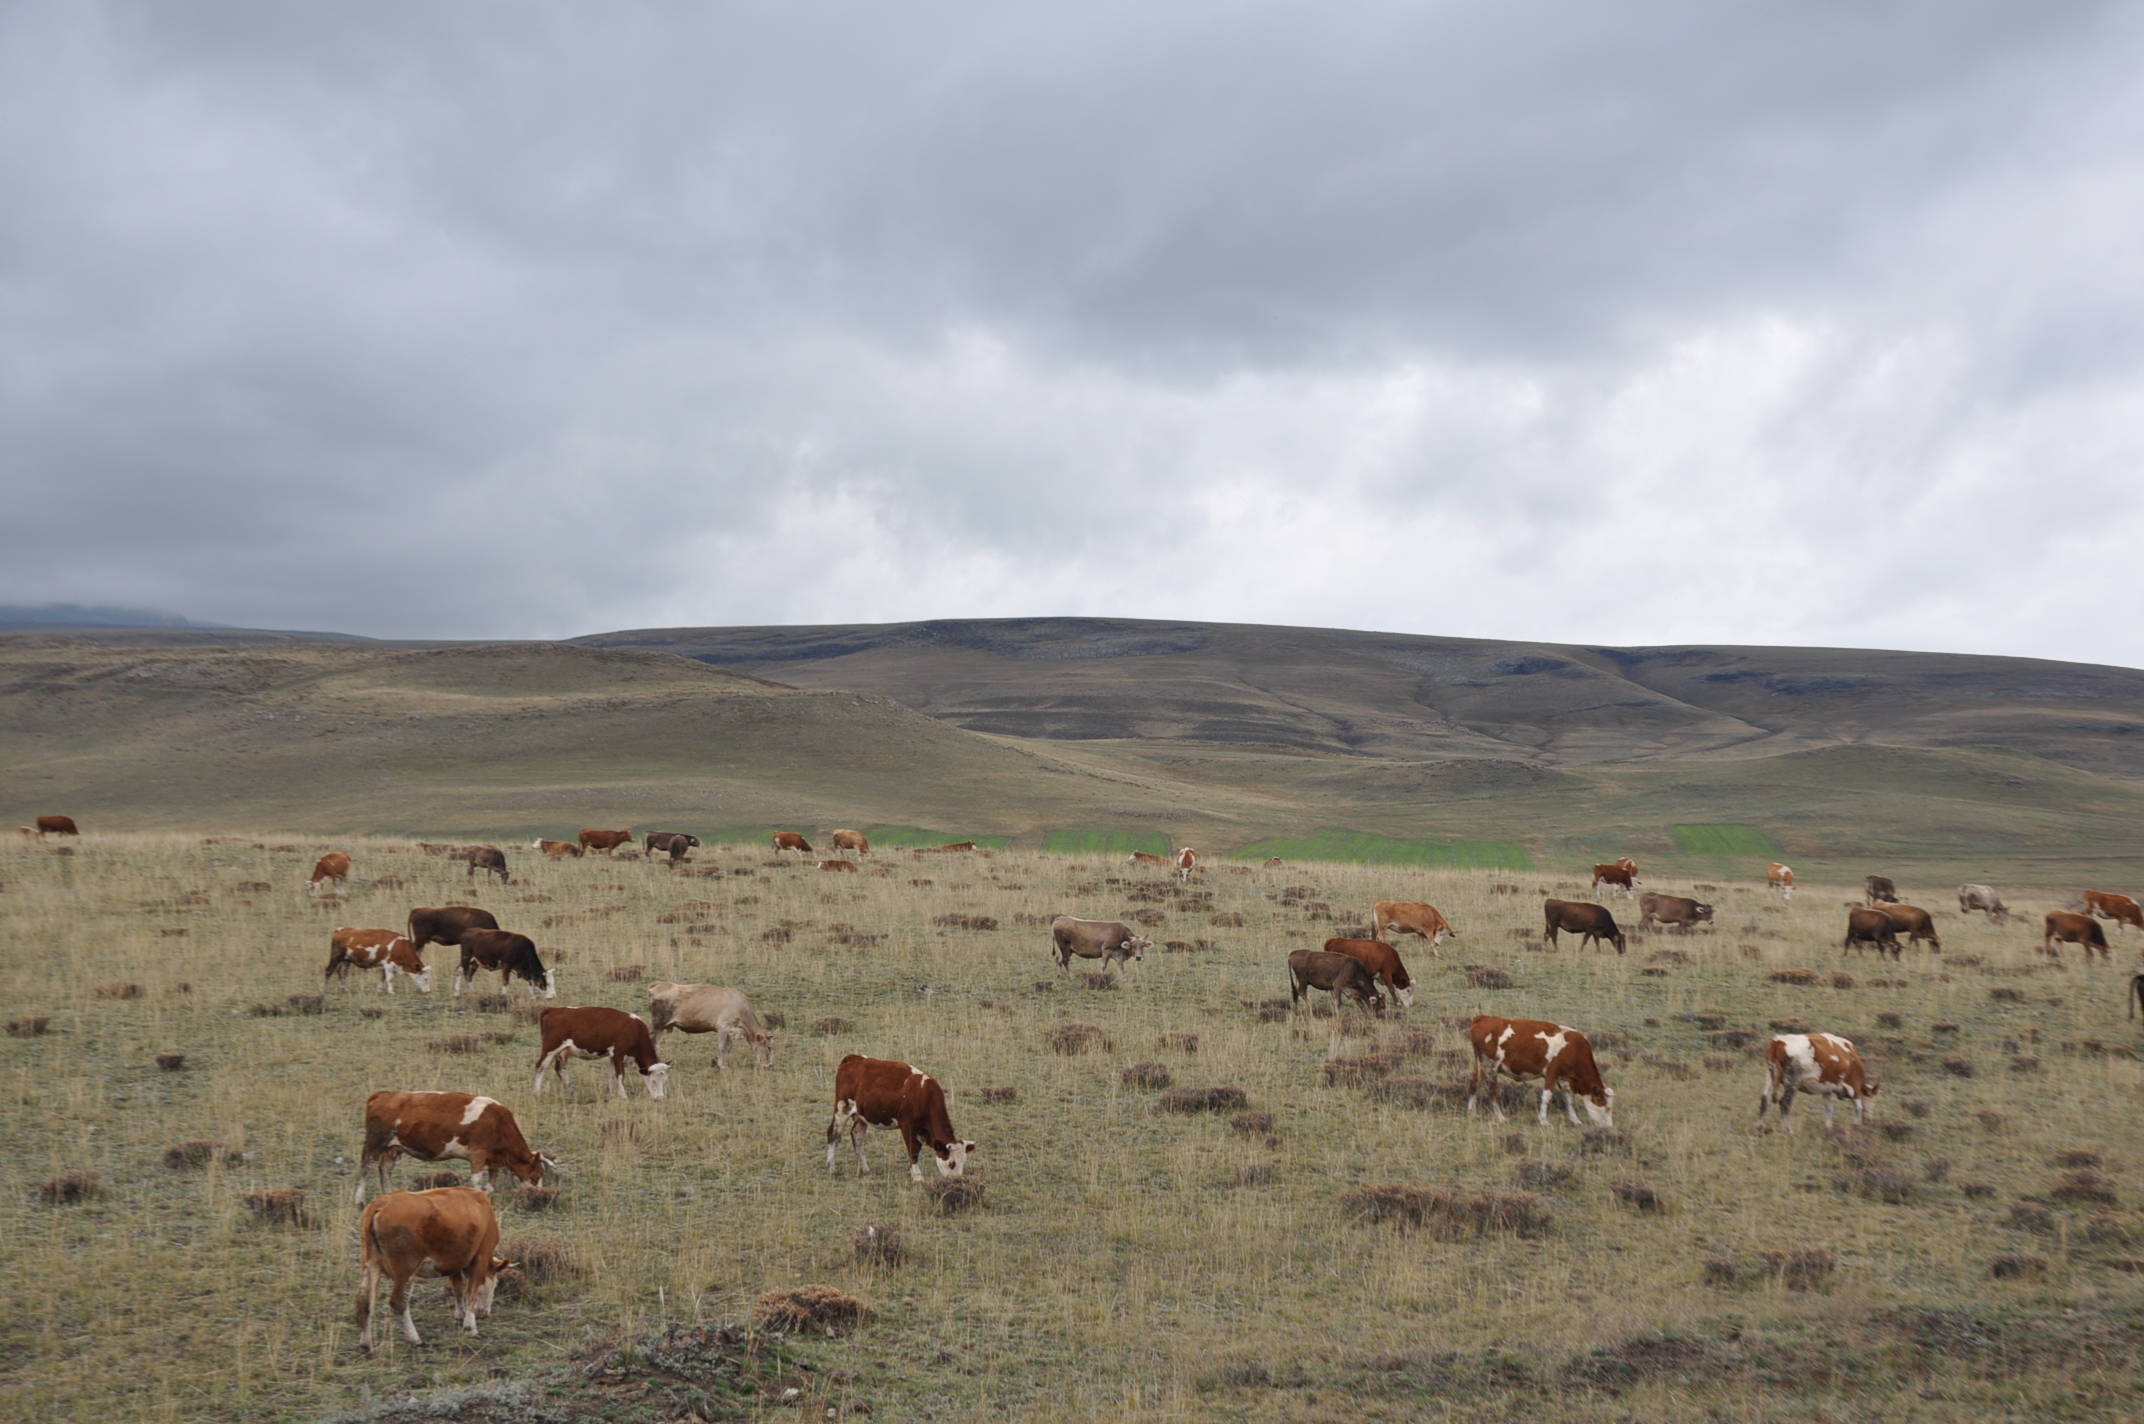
(2106, 905)
(1680, 911)
(1560, 1056)
(884, 1093)
(1111, 941)
(54, 826)
(513, 955)
(445, 924)
(1383, 962)
(1870, 927)
(448, 1232)
(598, 1032)
(1780, 878)
(852, 840)
(2069, 927)
(1591, 923)
(433, 1127)
(605, 841)
(1395, 917)
(1916, 923)
(1984, 899)
(1341, 975)
(558, 850)
(1622, 876)
(333, 866)
(837, 865)
(1140, 857)
(1821, 1063)
(1187, 860)
(790, 840)
(384, 950)
(487, 858)
(709, 1008)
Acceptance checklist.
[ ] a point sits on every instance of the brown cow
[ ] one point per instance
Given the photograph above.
(1591, 923)
(1780, 878)
(597, 1032)
(2068, 927)
(2106, 905)
(605, 841)
(1561, 1057)
(444, 924)
(435, 1126)
(1678, 910)
(1822, 1063)
(558, 850)
(333, 866)
(852, 840)
(884, 1093)
(1621, 876)
(1867, 927)
(54, 826)
(448, 1232)
(1391, 917)
(489, 858)
(512, 955)
(1342, 975)
(957, 846)
(383, 950)
(848, 865)
(1111, 941)
(1140, 857)
(1383, 962)
(790, 840)
(1917, 924)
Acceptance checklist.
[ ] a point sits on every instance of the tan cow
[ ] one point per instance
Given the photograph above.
(333, 866)
(2106, 905)
(1140, 857)
(1391, 917)
(559, 850)
(384, 950)
(852, 840)
(848, 865)
(1821, 1063)
(1560, 1056)
(2068, 927)
(448, 1232)
(1779, 878)
(708, 1008)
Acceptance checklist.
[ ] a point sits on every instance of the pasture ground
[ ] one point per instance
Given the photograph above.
(1124, 1259)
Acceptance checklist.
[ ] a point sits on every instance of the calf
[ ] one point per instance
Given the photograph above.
(1917, 923)
(1111, 941)
(1677, 910)
(446, 923)
(55, 826)
(709, 1008)
(1984, 899)
(1779, 878)
(1882, 890)
(333, 866)
(2106, 905)
(1591, 923)
(1140, 857)
(1383, 962)
(1561, 1057)
(790, 840)
(559, 850)
(1870, 927)
(435, 1126)
(671, 843)
(383, 950)
(1343, 976)
(1396, 917)
(1821, 1063)
(512, 955)
(883, 1093)
(489, 858)
(852, 840)
(597, 1032)
(605, 841)
(1614, 875)
(2068, 927)
(448, 1232)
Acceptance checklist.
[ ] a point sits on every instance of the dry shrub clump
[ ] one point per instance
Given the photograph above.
(879, 1244)
(2029, 1215)
(1542, 1176)
(1001, 1094)
(71, 1187)
(431, 1181)
(494, 1004)
(1203, 1099)
(119, 989)
(1180, 1043)
(1977, 1191)
(1799, 978)
(2082, 1187)
(1604, 1141)
(1800, 1270)
(537, 1198)
(2011, 1265)
(2079, 1158)
(1098, 979)
(965, 922)
(951, 1194)
(627, 973)
(1637, 1194)
(1147, 1075)
(1889, 1020)
(1958, 1067)
(829, 1027)
(28, 1027)
(1484, 976)
(458, 1043)
(1252, 1124)
(1074, 1039)
(1450, 1216)
(307, 1003)
(800, 1307)
(1354, 1070)
(537, 1263)
(197, 1153)
(171, 1062)
(284, 1206)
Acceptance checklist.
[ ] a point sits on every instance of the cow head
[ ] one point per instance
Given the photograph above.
(481, 1304)
(763, 1049)
(422, 978)
(1405, 996)
(312, 888)
(1703, 912)
(531, 1175)
(1138, 945)
(952, 1157)
(1600, 1106)
(550, 982)
(656, 1077)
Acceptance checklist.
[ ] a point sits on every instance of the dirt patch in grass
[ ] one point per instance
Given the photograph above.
(1187, 1100)
(1000, 1094)
(953, 1194)
(1147, 1075)
(28, 1027)
(1450, 1216)
(71, 1187)
(284, 1206)
(197, 1153)
(1072, 1040)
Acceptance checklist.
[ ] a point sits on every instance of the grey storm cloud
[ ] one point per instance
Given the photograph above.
(1731, 322)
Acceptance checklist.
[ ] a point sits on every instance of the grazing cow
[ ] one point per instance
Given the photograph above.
(1821, 1063)
(2068, 927)
(1677, 910)
(448, 1232)
(559, 850)
(848, 865)
(1780, 878)
(852, 840)
(2106, 905)
(1383, 962)
(957, 846)
(383, 950)
(1187, 860)
(1560, 1056)
(709, 1008)
(1591, 923)
(333, 866)
(53, 826)
(489, 858)
(671, 843)
(1275, 863)
(446, 923)
(1111, 941)
(1916, 922)
(605, 841)
(513, 955)
(1391, 917)
(597, 1032)
(790, 840)
(1140, 857)
(1882, 890)
(432, 1127)
(1342, 975)
(883, 1093)
(1984, 899)
(1616, 875)
(1867, 927)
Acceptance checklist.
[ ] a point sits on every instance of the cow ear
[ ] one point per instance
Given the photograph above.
(969, 1146)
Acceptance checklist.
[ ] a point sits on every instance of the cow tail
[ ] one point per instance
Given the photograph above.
(2136, 994)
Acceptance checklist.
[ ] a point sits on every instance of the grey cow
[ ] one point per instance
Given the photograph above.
(1111, 941)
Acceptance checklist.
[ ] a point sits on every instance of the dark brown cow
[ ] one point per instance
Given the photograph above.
(2068, 927)
(1383, 962)
(433, 1127)
(1561, 1057)
(1882, 890)
(1340, 974)
(489, 858)
(884, 1093)
(597, 1032)
(383, 950)
(790, 840)
(1615, 875)
(2106, 905)
(1870, 927)
(1111, 941)
(56, 826)
(671, 843)
(512, 955)
(445, 923)
(1591, 923)
(448, 1232)
(1916, 923)
(605, 841)
(333, 866)
(558, 850)
(1677, 910)
(1822, 1063)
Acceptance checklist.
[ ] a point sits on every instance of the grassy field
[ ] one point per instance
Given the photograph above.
(1722, 840)
(1105, 843)
(1362, 848)
(1125, 1259)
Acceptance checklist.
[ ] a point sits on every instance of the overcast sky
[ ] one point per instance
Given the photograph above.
(1799, 323)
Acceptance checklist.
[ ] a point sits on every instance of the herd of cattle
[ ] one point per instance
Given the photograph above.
(453, 1233)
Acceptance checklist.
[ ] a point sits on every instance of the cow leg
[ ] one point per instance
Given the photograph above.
(364, 1165)
(1861, 1112)
(1786, 1105)
(617, 1073)
(554, 1059)
(722, 1046)
(914, 1144)
(1829, 1103)
(368, 1289)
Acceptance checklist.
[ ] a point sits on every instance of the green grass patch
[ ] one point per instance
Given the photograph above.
(898, 837)
(1105, 842)
(1723, 840)
(1361, 848)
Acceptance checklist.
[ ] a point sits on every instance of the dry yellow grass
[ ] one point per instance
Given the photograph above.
(1125, 1258)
